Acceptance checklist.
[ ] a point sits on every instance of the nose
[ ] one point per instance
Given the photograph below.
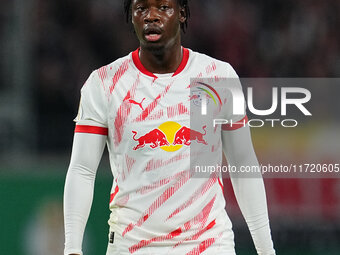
(152, 16)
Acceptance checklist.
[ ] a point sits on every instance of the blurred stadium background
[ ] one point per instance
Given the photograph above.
(48, 49)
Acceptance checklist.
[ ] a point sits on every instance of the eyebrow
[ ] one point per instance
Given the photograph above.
(135, 2)
(138, 1)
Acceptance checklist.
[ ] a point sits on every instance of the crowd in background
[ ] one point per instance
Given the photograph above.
(70, 38)
(63, 41)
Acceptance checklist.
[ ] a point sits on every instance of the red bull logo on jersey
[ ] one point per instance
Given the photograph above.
(185, 136)
(155, 138)
(169, 136)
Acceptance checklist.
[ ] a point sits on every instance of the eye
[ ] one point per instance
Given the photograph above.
(164, 7)
(140, 8)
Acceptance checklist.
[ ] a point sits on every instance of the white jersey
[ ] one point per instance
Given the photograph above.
(157, 205)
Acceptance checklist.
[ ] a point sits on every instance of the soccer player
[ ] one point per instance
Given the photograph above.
(139, 106)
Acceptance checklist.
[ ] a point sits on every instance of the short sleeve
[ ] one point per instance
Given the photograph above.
(235, 113)
(92, 111)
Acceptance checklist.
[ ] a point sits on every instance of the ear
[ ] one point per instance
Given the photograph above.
(182, 15)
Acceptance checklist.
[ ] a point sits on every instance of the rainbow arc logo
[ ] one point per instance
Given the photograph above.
(213, 91)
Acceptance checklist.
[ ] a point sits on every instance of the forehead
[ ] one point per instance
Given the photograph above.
(154, 1)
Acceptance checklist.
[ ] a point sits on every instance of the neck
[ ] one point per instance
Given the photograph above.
(161, 60)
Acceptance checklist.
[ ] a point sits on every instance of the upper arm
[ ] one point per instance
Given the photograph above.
(87, 151)
(236, 138)
(237, 145)
(93, 103)
(91, 126)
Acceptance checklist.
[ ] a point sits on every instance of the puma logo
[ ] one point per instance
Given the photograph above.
(131, 101)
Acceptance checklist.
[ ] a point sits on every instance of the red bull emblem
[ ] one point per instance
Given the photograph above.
(154, 138)
(170, 136)
(186, 135)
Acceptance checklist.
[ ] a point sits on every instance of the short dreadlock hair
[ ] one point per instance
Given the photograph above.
(182, 3)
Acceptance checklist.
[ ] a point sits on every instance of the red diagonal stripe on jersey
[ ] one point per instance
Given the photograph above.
(215, 129)
(177, 110)
(196, 195)
(198, 234)
(119, 73)
(102, 73)
(201, 232)
(159, 183)
(221, 185)
(144, 243)
(157, 115)
(123, 113)
(217, 78)
(112, 196)
(156, 164)
(148, 109)
(183, 178)
(91, 130)
(153, 104)
(204, 245)
(155, 185)
(200, 218)
(200, 75)
(129, 162)
(210, 68)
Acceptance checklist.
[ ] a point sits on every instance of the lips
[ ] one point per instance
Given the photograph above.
(152, 33)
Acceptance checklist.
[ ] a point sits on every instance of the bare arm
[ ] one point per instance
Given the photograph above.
(79, 185)
(250, 191)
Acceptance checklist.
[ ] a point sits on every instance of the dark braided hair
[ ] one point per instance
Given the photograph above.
(182, 3)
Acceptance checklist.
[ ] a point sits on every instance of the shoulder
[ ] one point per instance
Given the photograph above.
(110, 69)
(211, 64)
(102, 77)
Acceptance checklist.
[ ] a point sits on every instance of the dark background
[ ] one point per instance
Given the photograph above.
(49, 48)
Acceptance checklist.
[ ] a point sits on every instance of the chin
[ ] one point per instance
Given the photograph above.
(154, 46)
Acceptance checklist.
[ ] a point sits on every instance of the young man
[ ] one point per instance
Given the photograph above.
(139, 106)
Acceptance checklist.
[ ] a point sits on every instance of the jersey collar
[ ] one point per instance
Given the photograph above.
(139, 65)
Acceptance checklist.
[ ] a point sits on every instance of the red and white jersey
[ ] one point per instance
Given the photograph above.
(157, 204)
